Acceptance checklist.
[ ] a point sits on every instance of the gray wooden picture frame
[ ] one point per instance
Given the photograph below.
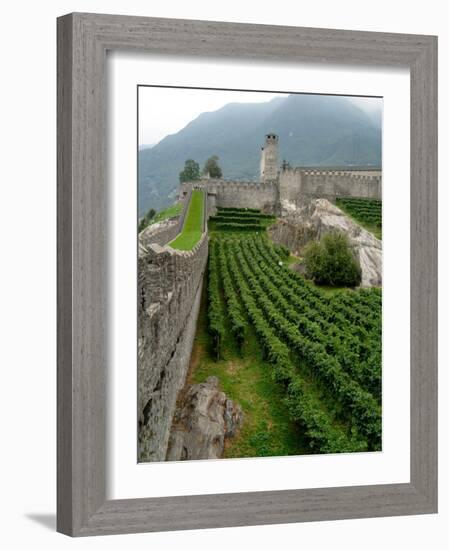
(83, 40)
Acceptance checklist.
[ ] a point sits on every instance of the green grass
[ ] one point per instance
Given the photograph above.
(331, 290)
(169, 212)
(193, 223)
(246, 378)
(293, 260)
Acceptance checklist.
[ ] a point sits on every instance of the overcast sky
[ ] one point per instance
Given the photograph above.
(164, 111)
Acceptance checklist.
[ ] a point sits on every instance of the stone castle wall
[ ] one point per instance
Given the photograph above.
(169, 293)
(236, 194)
(291, 185)
(329, 184)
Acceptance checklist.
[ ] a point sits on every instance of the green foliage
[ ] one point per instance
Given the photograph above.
(215, 312)
(230, 226)
(283, 251)
(191, 171)
(237, 219)
(212, 167)
(327, 324)
(240, 219)
(331, 261)
(325, 351)
(366, 416)
(324, 437)
(193, 223)
(238, 210)
(367, 212)
(145, 221)
(234, 309)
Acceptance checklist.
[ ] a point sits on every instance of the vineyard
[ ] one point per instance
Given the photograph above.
(239, 219)
(367, 212)
(322, 352)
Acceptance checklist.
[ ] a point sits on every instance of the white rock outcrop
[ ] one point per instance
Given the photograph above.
(312, 219)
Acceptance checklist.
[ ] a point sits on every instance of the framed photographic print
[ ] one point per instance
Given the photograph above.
(246, 274)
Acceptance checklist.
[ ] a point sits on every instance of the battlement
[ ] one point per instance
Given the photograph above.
(351, 174)
(329, 183)
(169, 291)
(213, 185)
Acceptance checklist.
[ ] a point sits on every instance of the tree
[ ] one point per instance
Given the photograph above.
(145, 221)
(191, 171)
(332, 262)
(212, 167)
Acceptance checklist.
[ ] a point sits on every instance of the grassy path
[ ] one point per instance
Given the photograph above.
(193, 223)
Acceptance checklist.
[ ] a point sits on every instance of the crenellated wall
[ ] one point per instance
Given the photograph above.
(169, 292)
(329, 184)
(291, 185)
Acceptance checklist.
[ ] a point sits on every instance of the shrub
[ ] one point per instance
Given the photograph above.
(331, 261)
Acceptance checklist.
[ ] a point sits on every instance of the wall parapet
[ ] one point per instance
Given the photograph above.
(293, 182)
(235, 193)
(169, 291)
(329, 183)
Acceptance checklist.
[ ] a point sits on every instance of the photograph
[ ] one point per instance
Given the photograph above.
(259, 274)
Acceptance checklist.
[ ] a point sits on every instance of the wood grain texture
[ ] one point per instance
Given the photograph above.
(83, 40)
(64, 276)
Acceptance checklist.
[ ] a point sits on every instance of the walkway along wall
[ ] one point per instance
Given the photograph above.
(169, 293)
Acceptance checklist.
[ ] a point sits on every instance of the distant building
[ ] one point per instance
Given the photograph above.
(269, 163)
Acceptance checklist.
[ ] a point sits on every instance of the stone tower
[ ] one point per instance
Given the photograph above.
(269, 165)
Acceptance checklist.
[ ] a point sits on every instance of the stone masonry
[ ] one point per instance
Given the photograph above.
(269, 162)
(169, 292)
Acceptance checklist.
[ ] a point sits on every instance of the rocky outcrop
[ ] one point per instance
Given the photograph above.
(311, 219)
(204, 418)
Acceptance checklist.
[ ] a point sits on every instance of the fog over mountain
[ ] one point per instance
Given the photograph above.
(314, 130)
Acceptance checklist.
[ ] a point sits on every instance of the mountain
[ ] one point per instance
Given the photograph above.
(314, 130)
(146, 146)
